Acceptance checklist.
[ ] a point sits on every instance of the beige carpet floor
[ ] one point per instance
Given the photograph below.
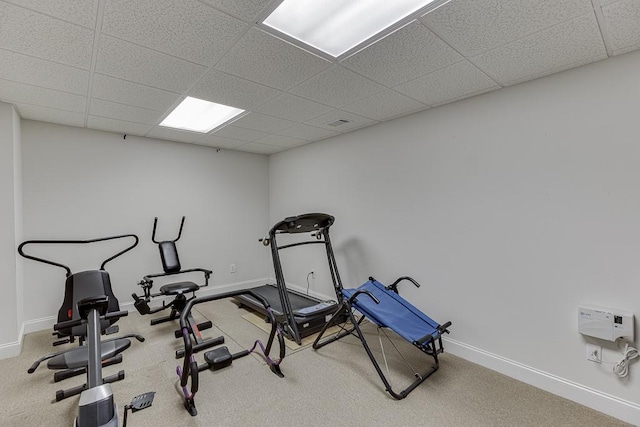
(336, 385)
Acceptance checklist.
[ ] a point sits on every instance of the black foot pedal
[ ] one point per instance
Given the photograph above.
(218, 358)
(142, 401)
(139, 403)
(113, 329)
(141, 305)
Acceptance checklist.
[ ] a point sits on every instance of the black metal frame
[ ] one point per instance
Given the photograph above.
(179, 301)
(190, 367)
(430, 344)
(93, 346)
(316, 223)
(66, 268)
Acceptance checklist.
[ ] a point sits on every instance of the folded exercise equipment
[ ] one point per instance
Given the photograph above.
(221, 357)
(89, 308)
(300, 315)
(177, 290)
(384, 307)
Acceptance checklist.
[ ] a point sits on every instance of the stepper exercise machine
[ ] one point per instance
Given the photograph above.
(221, 357)
(300, 315)
(89, 308)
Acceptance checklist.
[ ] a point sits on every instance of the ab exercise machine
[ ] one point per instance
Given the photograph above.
(178, 290)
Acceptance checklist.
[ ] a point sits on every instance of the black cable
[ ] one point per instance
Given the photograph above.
(310, 273)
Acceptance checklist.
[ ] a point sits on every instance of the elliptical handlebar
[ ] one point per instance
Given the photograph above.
(155, 224)
(81, 242)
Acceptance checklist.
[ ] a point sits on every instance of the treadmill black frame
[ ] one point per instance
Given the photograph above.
(318, 224)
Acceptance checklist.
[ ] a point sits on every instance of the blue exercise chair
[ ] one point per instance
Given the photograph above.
(384, 307)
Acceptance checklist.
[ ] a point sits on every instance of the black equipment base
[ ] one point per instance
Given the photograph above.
(310, 313)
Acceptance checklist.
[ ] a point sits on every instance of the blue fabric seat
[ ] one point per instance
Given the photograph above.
(393, 312)
(385, 308)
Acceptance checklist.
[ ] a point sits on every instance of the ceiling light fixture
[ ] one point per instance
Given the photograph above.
(198, 115)
(337, 26)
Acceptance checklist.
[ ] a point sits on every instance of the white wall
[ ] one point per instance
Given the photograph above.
(10, 230)
(83, 184)
(512, 209)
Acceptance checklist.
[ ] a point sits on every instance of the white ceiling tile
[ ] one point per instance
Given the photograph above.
(233, 91)
(81, 12)
(162, 132)
(336, 86)
(117, 58)
(622, 25)
(454, 82)
(51, 115)
(263, 123)
(355, 121)
(187, 29)
(212, 140)
(293, 107)
(247, 10)
(243, 134)
(31, 33)
(134, 94)
(306, 132)
(265, 59)
(408, 53)
(20, 93)
(39, 72)
(473, 27)
(117, 126)
(384, 105)
(564, 46)
(281, 141)
(253, 147)
(112, 110)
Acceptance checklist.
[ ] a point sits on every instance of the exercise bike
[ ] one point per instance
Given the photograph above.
(88, 309)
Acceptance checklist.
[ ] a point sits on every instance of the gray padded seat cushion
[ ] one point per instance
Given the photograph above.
(179, 288)
(77, 357)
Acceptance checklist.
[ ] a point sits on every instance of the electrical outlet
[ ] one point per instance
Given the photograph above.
(594, 353)
(232, 268)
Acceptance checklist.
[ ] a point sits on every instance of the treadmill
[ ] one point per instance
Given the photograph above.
(299, 315)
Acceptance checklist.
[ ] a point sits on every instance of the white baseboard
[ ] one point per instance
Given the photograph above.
(602, 402)
(12, 349)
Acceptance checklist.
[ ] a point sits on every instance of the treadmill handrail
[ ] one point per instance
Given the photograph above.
(309, 242)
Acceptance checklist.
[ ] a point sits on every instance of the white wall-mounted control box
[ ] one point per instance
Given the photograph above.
(605, 323)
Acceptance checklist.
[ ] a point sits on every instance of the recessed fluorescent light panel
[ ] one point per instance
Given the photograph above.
(198, 115)
(336, 26)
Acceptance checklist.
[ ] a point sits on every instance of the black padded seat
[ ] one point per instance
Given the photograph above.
(179, 288)
(79, 356)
